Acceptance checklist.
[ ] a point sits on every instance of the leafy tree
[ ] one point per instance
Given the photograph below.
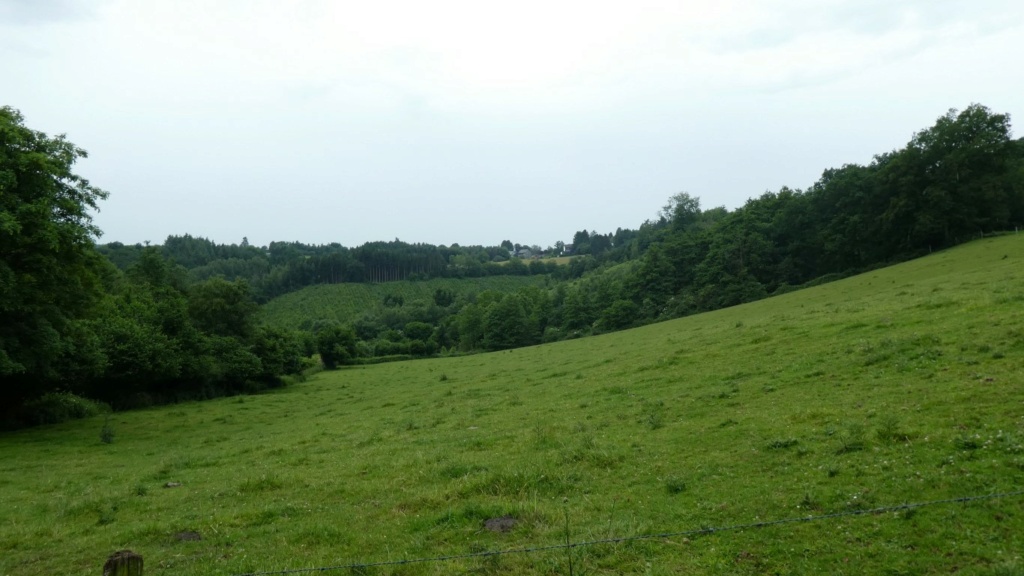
(654, 278)
(393, 301)
(621, 314)
(235, 367)
(517, 267)
(506, 324)
(682, 211)
(337, 345)
(418, 331)
(444, 297)
(48, 264)
(223, 308)
(950, 182)
(279, 351)
(600, 243)
(141, 357)
(576, 311)
(470, 324)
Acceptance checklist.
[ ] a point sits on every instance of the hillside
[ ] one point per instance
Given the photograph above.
(344, 302)
(904, 384)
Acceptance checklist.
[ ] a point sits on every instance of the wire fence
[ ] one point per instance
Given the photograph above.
(658, 536)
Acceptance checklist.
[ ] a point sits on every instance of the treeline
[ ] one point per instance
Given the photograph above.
(958, 180)
(284, 267)
(73, 326)
(179, 320)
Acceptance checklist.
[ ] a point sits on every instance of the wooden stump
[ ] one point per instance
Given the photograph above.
(123, 563)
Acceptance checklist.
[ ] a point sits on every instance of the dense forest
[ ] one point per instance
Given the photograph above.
(285, 267)
(130, 325)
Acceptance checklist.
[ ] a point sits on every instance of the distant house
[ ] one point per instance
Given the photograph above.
(523, 253)
(567, 250)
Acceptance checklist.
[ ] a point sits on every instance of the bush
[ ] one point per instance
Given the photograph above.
(56, 407)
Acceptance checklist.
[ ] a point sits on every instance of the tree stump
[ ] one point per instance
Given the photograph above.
(123, 563)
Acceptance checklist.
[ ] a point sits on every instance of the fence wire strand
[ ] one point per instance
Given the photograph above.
(658, 536)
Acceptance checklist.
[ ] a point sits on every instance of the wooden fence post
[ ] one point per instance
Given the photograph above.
(123, 563)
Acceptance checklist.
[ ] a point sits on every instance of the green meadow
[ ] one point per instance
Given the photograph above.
(905, 384)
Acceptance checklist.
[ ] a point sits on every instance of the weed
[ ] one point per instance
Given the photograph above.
(729, 392)
(107, 515)
(443, 377)
(653, 414)
(454, 471)
(261, 484)
(965, 442)
(107, 433)
(782, 443)
(373, 438)
(808, 502)
(141, 489)
(852, 439)
(888, 430)
(675, 485)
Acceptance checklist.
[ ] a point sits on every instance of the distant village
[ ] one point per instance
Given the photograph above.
(536, 253)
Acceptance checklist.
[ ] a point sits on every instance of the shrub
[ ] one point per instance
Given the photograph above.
(56, 407)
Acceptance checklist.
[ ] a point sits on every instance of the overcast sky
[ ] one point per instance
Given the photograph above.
(474, 122)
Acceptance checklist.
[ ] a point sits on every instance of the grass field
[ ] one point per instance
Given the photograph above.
(560, 260)
(344, 302)
(901, 385)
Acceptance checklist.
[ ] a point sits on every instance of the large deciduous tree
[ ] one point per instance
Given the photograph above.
(48, 264)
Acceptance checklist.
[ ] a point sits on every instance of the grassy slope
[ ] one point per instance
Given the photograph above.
(343, 302)
(730, 417)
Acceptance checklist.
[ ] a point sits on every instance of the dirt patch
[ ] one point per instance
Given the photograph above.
(188, 536)
(502, 524)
